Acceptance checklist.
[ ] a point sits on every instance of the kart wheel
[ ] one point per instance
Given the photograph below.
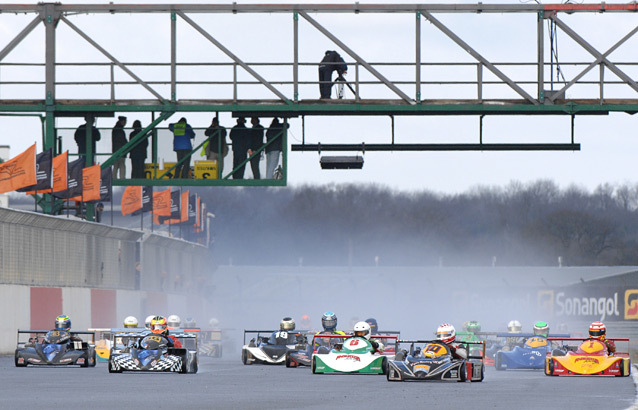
(244, 357)
(314, 365)
(463, 372)
(288, 361)
(384, 365)
(218, 351)
(550, 367)
(195, 368)
(86, 360)
(111, 369)
(16, 361)
(184, 368)
(482, 375)
(93, 360)
(497, 362)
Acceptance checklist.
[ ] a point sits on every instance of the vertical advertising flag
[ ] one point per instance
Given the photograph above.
(131, 199)
(147, 199)
(74, 180)
(192, 209)
(106, 185)
(60, 173)
(184, 204)
(18, 172)
(91, 183)
(162, 203)
(175, 205)
(43, 172)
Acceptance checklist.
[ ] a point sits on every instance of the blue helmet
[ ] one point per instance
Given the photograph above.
(329, 321)
(62, 322)
(374, 328)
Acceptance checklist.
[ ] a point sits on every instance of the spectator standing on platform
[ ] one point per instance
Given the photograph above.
(182, 136)
(217, 147)
(332, 61)
(138, 153)
(273, 150)
(240, 136)
(80, 138)
(256, 142)
(118, 140)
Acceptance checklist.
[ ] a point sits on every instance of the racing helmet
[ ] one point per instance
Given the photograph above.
(147, 321)
(174, 322)
(329, 321)
(130, 322)
(446, 333)
(362, 329)
(305, 322)
(62, 322)
(473, 326)
(597, 330)
(374, 328)
(159, 324)
(514, 326)
(213, 323)
(287, 324)
(190, 323)
(541, 329)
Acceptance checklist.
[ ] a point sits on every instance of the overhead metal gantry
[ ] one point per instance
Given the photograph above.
(250, 88)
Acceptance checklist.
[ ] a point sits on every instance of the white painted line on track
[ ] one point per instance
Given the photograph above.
(634, 376)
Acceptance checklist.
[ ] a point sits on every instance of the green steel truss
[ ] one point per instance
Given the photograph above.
(536, 93)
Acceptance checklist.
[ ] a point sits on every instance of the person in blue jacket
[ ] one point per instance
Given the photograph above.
(182, 136)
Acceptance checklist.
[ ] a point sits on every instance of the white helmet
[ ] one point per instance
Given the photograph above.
(514, 326)
(213, 323)
(446, 333)
(130, 322)
(174, 322)
(362, 329)
(147, 322)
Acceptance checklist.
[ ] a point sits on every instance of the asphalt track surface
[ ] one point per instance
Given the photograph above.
(228, 384)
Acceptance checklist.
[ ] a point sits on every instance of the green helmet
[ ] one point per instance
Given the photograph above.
(541, 329)
(473, 326)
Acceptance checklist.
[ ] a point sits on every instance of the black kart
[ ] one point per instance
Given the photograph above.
(55, 348)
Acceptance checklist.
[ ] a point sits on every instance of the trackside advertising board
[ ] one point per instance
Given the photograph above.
(589, 303)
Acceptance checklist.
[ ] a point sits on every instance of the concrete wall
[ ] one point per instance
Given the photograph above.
(26, 307)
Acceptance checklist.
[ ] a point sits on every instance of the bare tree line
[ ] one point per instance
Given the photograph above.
(364, 225)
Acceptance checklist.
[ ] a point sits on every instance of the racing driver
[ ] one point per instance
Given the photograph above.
(130, 322)
(329, 323)
(63, 324)
(447, 334)
(159, 326)
(362, 329)
(597, 331)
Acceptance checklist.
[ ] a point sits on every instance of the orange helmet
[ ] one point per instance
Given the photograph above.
(159, 324)
(597, 330)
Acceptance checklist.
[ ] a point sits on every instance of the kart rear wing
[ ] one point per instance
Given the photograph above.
(528, 335)
(467, 346)
(346, 336)
(37, 336)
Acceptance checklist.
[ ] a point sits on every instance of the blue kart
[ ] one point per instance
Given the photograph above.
(529, 356)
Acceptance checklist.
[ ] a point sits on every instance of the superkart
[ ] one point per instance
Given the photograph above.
(590, 357)
(54, 348)
(530, 354)
(273, 348)
(149, 352)
(433, 360)
(354, 355)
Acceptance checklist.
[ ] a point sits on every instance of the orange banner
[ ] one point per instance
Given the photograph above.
(60, 163)
(131, 199)
(184, 209)
(162, 203)
(18, 172)
(90, 184)
(199, 211)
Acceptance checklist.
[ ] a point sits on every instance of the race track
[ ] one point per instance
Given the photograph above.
(227, 384)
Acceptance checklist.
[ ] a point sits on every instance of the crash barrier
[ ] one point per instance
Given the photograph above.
(44, 250)
(32, 307)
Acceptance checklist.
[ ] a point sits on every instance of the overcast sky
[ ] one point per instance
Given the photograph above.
(609, 143)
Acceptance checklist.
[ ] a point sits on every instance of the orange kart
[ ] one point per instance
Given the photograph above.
(590, 358)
